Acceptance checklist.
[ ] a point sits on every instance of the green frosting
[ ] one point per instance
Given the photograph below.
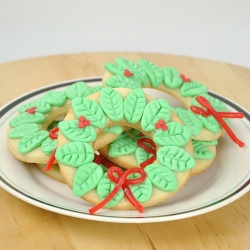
(135, 68)
(143, 191)
(71, 131)
(175, 135)
(134, 106)
(48, 146)
(77, 89)
(105, 187)
(154, 111)
(91, 110)
(112, 104)
(175, 158)
(23, 129)
(27, 118)
(201, 151)
(193, 88)
(154, 73)
(53, 125)
(209, 143)
(114, 69)
(86, 178)
(171, 77)
(41, 106)
(32, 141)
(75, 154)
(124, 146)
(210, 123)
(161, 177)
(120, 81)
(190, 120)
(92, 90)
(116, 129)
(55, 98)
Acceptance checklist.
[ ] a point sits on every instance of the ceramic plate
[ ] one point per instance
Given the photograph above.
(225, 181)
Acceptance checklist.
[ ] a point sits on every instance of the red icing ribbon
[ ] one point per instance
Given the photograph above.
(161, 125)
(31, 110)
(83, 122)
(53, 133)
(217, 115)
(184, 78)
(128, 73)
(100, 159)
(50, 161)
(141, 143)
(123, 182)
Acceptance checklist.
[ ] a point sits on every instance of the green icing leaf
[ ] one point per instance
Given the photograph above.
(91, 110)
(86, 178)
(209, 143)
(171, 77)
(27, 118)
(143, 191)
(134, 105)
(124, 134)
(120, 81)
(48, 146)
(134, 68)
(75, 154)
(210, 123)
(114, 68)
(201, 151)
(216, 103)
(76, 90)
(112, 104)
(175, 158)
(116, 129)
(32, 141)
(55, 98)
(105, 187)
(71, 130)
(92, 90)
(175, 135)
(41, 106)
(154, 111)
(141, 155)
(53, 125)
(154, 73)
(190, 120)
(125, 146)
(161, 177)
(193, 88)
(23, 129)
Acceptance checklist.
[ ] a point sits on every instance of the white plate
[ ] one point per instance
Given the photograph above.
(225, 181)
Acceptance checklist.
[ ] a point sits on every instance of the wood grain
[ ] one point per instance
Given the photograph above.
(24, 226)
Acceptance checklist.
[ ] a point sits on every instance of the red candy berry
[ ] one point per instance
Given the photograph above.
(83, 122)
(128, 73)
(184, 78)
(31, 110)
(161, 125)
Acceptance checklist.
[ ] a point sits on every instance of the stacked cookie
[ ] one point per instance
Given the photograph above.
(154, 148)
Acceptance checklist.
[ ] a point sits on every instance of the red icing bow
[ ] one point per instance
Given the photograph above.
(142, 143)
(209, 110)
(184, 78)
(31, 110)
(122, 181)
(83, 122)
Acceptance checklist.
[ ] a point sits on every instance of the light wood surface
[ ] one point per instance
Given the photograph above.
(23, 226)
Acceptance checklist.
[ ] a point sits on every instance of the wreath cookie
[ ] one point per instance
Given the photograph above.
(127, 74)
(136, 187)
(127, 148)
(28, 137)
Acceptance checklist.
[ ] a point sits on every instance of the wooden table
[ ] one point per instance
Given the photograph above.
(24, 226)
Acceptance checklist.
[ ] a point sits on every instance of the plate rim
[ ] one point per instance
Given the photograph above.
(105, 218)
